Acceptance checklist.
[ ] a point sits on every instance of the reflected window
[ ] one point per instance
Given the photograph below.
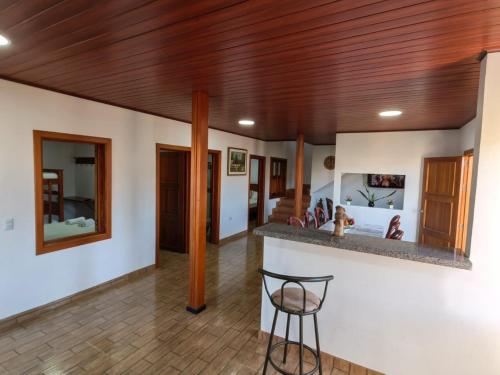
(73, 190)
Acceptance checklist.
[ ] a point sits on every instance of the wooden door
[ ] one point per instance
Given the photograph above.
(173, 190)
(440, 201)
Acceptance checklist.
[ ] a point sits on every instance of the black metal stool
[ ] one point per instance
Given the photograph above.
(295, 301)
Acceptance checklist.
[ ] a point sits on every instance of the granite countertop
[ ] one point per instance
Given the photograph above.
(369, 245)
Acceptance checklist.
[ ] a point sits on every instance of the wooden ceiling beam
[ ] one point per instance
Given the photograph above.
(330, 65)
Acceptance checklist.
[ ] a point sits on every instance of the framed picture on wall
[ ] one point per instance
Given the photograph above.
(393, 181)
(236, 161)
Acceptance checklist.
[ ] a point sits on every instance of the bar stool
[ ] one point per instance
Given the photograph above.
(295, 301)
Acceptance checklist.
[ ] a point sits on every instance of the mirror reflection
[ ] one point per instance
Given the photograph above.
(69, 189)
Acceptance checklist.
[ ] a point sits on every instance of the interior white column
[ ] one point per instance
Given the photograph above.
(484, 241)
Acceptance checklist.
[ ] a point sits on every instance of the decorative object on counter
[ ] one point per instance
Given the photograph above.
(340, 217)
(310, 220)
(329, 162)
(236, 161)
(320, 203)
(390, 203)
(326, 210)
(329, 207)
(348, 200)
(320, 216)
(397, 235)
(349, 221)
(393, 226)
(372, 198)
(295, 222)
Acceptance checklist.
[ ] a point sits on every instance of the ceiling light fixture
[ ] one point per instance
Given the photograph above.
(246, 122)
(4, 41)
(390, 113)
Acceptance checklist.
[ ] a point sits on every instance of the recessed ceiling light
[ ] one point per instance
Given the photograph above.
(4, 41)
(390, 113)
(246, 122)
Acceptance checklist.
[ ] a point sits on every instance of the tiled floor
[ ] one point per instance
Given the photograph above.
(141, 326)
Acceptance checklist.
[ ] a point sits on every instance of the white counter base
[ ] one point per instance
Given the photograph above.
(391, 315)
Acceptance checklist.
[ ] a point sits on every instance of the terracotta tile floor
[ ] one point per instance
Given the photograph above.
(141, 327)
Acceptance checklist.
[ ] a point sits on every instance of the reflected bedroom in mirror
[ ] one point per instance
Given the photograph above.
(69, 189)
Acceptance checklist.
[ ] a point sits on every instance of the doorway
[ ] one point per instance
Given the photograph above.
(173, 169)
(256, 191)
(213, 196)
(445, 201)
(173, 199)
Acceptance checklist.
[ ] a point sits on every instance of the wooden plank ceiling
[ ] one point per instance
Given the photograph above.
(317, 66)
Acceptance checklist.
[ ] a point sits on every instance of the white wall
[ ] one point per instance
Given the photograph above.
(291, 155)
(392, 153)
(308, 151)
(291, 151)
(468, 134)
(234, 189)
(84, 173)
(320, 176)
(41, 279)
(402, 317)
(254, 171)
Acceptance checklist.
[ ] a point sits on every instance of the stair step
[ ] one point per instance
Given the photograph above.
(278, 221)
(290, 202)
(292, 194)
(287, 210)
(273, 219)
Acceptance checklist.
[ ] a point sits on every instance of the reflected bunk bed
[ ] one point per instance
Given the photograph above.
(53, 194)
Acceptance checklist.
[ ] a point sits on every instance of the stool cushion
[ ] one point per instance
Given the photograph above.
(293, 299)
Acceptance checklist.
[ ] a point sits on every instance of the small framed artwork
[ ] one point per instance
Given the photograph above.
(236, 161)
(393, 181)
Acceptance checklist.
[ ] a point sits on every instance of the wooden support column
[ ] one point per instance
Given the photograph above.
(198, 207)
(299, 174)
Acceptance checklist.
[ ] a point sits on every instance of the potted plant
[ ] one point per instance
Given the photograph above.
(390, 203)
(372, 198)
(348, 200)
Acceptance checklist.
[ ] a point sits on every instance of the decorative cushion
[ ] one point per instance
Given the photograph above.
(294, 299)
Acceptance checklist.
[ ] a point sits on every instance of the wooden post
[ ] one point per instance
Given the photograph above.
(299, 174)
(198, 208)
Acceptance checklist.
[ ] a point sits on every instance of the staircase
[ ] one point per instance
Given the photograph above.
(286, 206)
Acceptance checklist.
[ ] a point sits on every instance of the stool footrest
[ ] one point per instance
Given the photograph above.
(290, 342)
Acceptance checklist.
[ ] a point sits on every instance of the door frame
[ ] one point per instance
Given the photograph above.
(262, 186)
(216, 186)
(215, 197)
(465, 196)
